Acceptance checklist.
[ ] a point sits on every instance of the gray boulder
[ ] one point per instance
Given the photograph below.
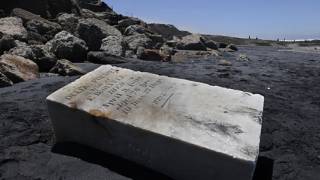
(4, 81)
(138, 40)
(192, 42)
(101, 57)
(26, 15)
(67, 46)
(113, 45)
(66, 68)
(69, 22)
(17, 68)
(94, 30)
(13, 26)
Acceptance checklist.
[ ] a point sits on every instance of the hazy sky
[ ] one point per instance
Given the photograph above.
(268, 19)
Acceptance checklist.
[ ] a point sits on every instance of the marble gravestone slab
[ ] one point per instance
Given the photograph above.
(186, 130)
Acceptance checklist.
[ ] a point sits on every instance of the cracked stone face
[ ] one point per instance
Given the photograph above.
(148, 118)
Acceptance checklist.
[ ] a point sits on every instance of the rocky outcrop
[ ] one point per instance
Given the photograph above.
(152, 55)
(35, 24)
(17, 68)
(44, 8)
(211, 44)
(94, 30)
(192, 42)
(101, 57)
(4, 81)
(113, 45)
(95, 5)
(138, 40)
(67, 46)
(13, 26)
(66, 68)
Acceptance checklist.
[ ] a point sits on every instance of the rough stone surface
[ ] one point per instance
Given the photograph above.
(192, 42)
(67, 46)
(138, 40)
(4, 81)
(6, 43)
(135, 114)
(94, 30)
(69, 22)
(17, 68)
(37, 53)
(44, 28)
(101, 57)
(136, 29)
(113, 45)
(66, 68)
(26, 15)
(13, 26)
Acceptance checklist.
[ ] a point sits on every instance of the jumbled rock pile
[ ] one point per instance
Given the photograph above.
(48, 36)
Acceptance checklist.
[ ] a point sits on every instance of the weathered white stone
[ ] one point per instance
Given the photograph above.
(187, 130)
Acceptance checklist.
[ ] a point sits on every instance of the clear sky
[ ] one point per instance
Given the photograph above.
(267, 19)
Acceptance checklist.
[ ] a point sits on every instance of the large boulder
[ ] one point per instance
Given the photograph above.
(100, 57)
(113, 45)
(26, 15)
(44, 8)
(138, 40)
(192, 42)
(46, 29)
(69, 22)
(67, 46)
(5, 81)
(66, 68)
(13, 26)
(6, 43)
(94, 30)
(17, 68)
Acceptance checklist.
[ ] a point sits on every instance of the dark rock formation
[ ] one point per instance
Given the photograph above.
(4, 81)
(45, 8)
(94, 30)
(6, 43)
(66, 68)
(100, 57)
